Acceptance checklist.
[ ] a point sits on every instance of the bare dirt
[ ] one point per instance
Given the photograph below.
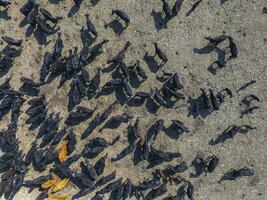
(243, 20)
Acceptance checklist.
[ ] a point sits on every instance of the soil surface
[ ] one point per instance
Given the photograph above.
(182, 40)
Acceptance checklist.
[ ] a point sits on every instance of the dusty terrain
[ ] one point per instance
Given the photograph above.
(243, 20)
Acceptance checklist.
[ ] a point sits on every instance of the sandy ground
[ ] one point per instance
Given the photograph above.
(243, 20)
